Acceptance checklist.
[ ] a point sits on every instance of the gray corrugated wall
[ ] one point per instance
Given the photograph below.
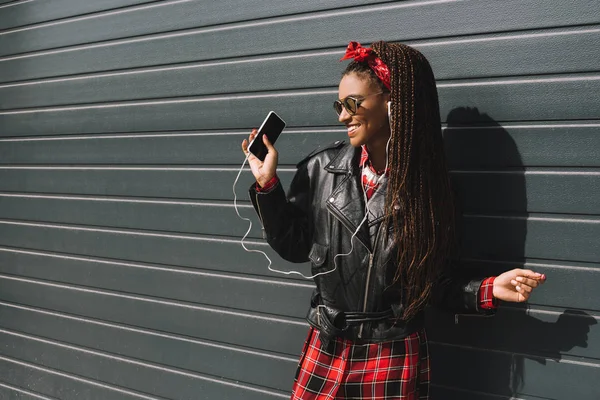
(121, 272)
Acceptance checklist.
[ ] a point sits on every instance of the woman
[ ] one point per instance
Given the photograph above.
(376, 219)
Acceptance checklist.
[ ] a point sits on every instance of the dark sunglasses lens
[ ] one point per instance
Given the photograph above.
(337, 106)
(350, 104)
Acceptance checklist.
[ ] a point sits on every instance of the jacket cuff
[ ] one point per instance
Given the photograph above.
(266, 203)
(471, 293)
(268, 186)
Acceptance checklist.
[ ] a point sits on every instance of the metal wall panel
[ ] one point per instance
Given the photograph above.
(19, 14)
(143, 20)
(121, 270)
(405, 21)
(467, 147)
(523, 99)
(550, 52)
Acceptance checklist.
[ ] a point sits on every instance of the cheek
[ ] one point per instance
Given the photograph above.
(377, 121)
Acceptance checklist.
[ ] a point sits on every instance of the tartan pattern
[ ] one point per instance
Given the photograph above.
(398, 369)
(487, 301)
(268, 186)
(370, 176)
(389, 370)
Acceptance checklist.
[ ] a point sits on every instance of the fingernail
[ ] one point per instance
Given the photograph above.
(518, 288)
(519, 278)
(544, 276)
(514, 282)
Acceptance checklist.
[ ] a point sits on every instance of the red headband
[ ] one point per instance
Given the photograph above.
(359, 53)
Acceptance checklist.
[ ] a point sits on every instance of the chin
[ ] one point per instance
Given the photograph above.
(356, 141)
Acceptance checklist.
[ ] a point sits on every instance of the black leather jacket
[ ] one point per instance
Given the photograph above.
(315, 222)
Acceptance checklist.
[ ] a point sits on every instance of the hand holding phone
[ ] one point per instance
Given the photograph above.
(272, 126)
(263, 157)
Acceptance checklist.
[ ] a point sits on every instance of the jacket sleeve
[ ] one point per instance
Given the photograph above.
(459, 293)
(286, 219)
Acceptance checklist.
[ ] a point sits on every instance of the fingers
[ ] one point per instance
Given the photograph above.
(517, 285)
(246, 142)
(522, 292)
(522, 297)
(525, 282)
(268, 143)
(529, 282)
(521, 287)
(527, 273)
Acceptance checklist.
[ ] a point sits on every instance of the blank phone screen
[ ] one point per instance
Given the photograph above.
(272, 127)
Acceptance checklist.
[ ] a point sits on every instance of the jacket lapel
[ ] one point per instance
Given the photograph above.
(346, 202)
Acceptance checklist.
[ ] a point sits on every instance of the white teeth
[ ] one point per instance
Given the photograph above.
(352, 128)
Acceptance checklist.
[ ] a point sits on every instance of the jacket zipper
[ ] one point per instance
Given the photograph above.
(371, 258)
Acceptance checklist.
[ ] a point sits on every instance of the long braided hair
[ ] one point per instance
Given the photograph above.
(425, 227)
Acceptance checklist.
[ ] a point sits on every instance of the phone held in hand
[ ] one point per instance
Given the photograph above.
(272, 126)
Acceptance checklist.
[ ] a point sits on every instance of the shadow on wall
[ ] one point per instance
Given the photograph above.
(475, 142)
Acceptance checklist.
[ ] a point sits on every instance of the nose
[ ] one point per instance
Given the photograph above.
(344, 116)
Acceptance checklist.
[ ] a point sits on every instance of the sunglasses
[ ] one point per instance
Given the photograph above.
(350, 103)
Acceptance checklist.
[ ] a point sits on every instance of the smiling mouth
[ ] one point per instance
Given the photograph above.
(352, 128)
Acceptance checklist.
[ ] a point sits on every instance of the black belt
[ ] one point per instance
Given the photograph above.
(335, 323)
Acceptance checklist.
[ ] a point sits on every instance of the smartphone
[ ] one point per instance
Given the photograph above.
(272, 126)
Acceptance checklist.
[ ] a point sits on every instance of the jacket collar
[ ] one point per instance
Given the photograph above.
(347, 202)
(345, 161)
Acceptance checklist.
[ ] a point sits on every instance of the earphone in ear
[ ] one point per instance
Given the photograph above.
(389, 105)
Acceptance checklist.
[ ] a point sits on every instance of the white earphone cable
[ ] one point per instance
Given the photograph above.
(292, 272)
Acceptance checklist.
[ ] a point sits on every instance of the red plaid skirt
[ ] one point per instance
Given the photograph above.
(345, 370)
